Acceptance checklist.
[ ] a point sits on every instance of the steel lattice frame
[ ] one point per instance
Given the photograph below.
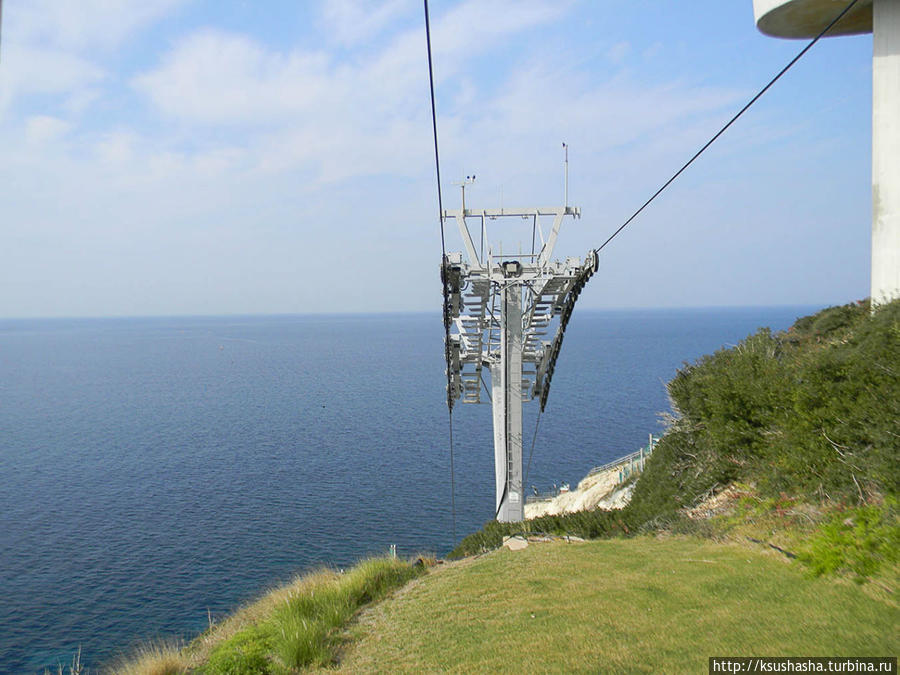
(501, 312)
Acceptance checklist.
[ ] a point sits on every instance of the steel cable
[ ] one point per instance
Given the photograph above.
(446, 310)
(730, 122)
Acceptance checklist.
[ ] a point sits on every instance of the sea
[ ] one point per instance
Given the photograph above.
(156, 473)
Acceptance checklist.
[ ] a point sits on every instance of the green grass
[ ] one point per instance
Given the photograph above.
(303, 628)
(289, 629)
(858, 541)
(621, 605)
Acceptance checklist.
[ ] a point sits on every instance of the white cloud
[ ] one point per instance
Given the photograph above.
(116, 147)
(339, 116)
(349, 22)
(335, 117)
(82, 24)
(217, 162)
(619, 51)
(34, 70)
(464, 33)
(54, 48)
(225, 78)
(214, 77)
(44, 128)
(81, 99)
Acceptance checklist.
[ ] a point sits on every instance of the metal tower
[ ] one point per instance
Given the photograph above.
(500, 309)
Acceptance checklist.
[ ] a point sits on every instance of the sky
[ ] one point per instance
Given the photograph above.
(200, 157)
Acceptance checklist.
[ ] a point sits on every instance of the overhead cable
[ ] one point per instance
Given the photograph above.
(446, 309)
(730, 122)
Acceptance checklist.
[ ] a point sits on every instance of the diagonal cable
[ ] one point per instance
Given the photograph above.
(730, 122)
(446, 312)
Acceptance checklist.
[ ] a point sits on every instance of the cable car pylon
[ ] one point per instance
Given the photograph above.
(501, 310)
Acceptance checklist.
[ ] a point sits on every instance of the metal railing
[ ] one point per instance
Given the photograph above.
(541, 496)
(629, 465)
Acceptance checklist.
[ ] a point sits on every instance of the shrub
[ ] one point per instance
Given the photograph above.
(859, 541)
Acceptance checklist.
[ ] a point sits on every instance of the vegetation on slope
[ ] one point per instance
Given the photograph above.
(810, 415)
(641, 604)
(291, 628)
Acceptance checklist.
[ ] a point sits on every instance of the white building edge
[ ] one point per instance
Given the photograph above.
(806, 19)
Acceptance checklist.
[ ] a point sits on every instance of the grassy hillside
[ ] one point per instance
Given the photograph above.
(290, 628)
(640, 604)
(810, 416)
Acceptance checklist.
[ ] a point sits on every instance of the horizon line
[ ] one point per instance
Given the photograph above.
(410, 312)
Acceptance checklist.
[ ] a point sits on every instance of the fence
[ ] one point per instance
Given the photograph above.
(628, 466)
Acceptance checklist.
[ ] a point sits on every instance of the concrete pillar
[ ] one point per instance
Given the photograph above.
(886, 151)
(497, 405)
(506, 401)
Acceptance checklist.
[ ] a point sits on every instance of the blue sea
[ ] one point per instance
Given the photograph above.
(156, 470)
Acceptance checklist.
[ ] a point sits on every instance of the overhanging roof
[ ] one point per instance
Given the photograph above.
(807, 18)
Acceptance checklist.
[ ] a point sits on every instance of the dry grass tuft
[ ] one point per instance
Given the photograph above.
(157, 658)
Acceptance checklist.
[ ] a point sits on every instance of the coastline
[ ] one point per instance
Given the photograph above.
(600, 490)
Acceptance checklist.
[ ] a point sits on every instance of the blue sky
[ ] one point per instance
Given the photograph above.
(231, 157)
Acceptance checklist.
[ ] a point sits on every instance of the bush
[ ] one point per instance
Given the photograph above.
(812, 411)
(859, 541)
